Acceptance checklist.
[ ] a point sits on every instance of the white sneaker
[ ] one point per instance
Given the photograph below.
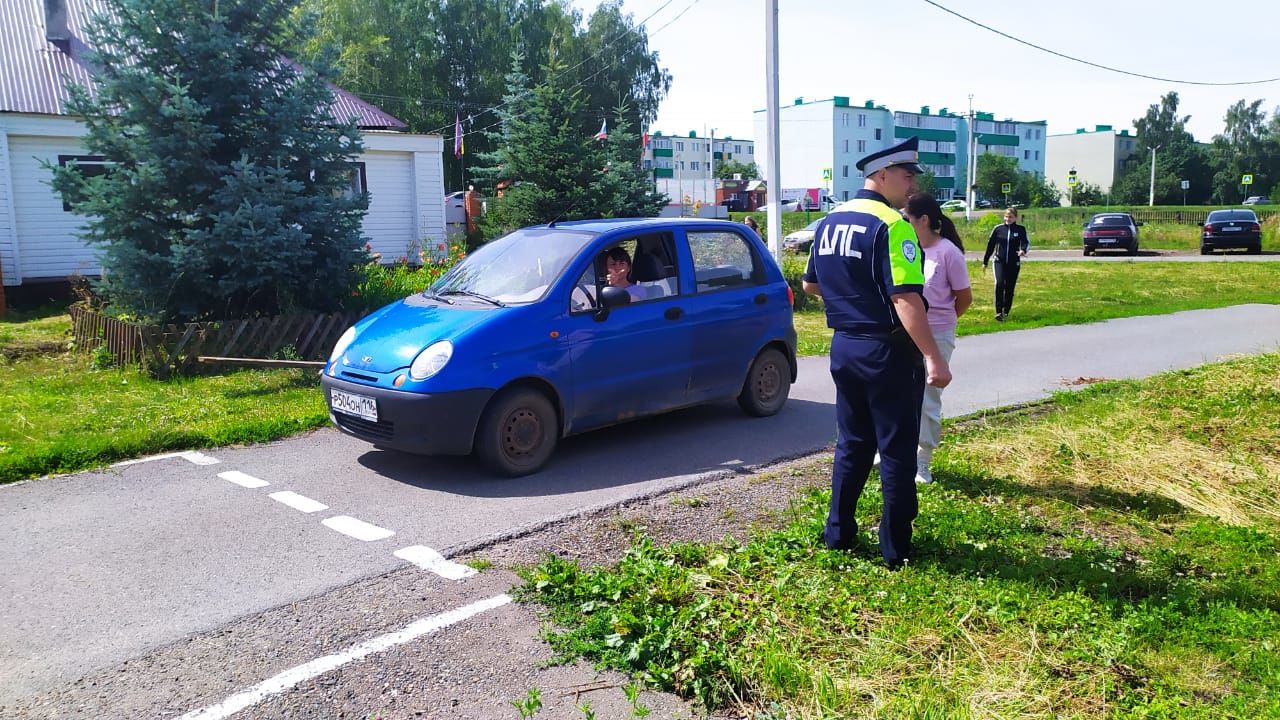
(924, 458)
(876, 462)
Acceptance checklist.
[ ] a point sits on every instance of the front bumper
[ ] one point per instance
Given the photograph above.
(422, 423)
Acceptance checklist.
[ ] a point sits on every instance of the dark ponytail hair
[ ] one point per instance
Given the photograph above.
(925, 205)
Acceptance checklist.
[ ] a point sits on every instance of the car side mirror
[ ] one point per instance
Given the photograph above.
(611, 297)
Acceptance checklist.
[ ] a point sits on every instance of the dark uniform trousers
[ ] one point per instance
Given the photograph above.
(879, 389)
(1006, 281)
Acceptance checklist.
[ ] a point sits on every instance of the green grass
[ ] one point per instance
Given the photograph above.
(60, 415)
(1060, 228)
(27, 331)
(1068, 293)
(1075, 578)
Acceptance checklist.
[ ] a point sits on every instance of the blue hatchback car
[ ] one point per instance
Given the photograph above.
(555, 330)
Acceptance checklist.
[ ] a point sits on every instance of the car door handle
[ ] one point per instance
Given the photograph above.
(674, 313)
(762, 299)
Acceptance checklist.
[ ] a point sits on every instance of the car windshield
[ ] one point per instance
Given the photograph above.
(1111, 220)
(514, 269)
(1229, 215)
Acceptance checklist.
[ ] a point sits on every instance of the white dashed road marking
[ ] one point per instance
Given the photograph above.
(242, 479)
(298, 502)
(319, 666)
(191, 456)
(432, 561)
(357, 529)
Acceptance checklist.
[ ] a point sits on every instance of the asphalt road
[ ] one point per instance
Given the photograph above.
(100, 567)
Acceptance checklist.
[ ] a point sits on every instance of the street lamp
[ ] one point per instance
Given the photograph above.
(1151, 199)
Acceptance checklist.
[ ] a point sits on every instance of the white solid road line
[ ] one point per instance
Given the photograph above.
(242, 479)
(190, 456)
(298, 502)
(319, 666)
(432, 561)
(357, 529)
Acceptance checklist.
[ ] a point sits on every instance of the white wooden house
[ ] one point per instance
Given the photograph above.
(41, 43)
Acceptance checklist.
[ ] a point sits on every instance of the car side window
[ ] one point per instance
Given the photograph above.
(644, 266)
(722, 260)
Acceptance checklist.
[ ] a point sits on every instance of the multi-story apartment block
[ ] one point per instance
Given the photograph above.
(1096, 155)
(691, 157)
(834, 134)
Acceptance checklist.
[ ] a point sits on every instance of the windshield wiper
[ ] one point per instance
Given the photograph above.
(474, 294)
(436, 296)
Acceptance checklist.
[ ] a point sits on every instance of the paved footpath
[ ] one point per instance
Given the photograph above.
(101, 567)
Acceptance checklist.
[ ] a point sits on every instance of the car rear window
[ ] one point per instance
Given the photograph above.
(1111, 220)
(1229, 215)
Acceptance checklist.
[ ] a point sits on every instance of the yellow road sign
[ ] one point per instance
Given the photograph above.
(826, 173)
(1246, 180)
(1006, 188)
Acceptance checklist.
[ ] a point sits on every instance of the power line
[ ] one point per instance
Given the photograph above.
(1094, 64)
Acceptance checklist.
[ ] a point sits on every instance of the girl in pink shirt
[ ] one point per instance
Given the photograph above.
(946, 289)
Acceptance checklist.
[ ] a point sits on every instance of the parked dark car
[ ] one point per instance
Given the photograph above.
(1111, 231)
(1237, 229)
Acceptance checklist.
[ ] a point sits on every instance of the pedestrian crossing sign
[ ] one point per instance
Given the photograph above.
(826, 173)
(1006, 188)
(1246, 180)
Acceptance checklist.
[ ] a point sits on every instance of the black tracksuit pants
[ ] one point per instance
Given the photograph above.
(1006, 281)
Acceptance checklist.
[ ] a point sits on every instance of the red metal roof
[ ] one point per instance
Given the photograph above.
(33, 70)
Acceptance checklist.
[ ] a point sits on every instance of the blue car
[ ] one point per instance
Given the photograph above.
(559, 329)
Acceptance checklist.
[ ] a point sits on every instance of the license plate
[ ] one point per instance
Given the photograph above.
(1107, 241)
(352, 404)
(1231, 229)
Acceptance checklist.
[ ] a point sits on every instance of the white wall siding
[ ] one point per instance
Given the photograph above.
(8, 233)
(389, 223)
(428, 177)
(48, 246)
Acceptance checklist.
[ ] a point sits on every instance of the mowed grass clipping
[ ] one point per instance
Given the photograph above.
(1113, 555)
(1071, 293)
(61, 415)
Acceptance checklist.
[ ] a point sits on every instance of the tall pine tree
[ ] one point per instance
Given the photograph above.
(550, 168)
(228, 185)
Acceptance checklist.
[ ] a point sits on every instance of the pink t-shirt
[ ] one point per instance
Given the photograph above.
(944, 274)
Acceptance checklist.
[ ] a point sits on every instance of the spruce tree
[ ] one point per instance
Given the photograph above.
(228, 185)
(625, 188)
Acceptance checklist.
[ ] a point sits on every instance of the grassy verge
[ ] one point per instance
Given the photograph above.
(60, 415)
(1068, 293)
(1112, 556)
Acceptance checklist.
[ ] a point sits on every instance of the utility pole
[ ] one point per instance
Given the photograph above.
(773, 218)
(1151, 200)
(970, 164)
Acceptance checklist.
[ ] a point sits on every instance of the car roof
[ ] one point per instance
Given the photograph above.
(605, 225)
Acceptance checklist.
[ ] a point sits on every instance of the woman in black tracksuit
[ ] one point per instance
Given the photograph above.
(1009, 244)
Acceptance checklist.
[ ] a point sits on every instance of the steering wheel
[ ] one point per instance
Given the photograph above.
(586, 293)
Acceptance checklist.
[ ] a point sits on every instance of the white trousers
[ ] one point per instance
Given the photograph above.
(931, 408)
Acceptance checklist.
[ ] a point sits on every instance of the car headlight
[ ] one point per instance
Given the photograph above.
(343, 343)
(431, 361)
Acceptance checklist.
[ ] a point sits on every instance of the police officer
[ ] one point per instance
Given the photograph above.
(868, 268)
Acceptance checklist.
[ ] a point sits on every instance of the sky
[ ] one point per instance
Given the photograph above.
(907, 53)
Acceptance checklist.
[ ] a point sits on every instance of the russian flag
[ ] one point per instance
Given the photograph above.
(604, 130)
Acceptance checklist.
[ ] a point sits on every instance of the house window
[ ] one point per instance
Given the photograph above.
(88, 165)
(693, 165)
(1038, 131)
(737, 149)
(357, 182)
(877, 133)
(844, 171)
(1026, 154)
(1037, 154)
(1028, 136)
(844, 119)
(648, 164)
(680, 146)
(846, 144)
(862, 146)
(862, 119)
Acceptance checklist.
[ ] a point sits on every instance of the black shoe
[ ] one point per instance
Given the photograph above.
(999, 317)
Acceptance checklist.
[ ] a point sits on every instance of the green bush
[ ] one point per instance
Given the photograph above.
(793, 266)
(380, 284)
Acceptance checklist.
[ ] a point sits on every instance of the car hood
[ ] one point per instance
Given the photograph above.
(799, 235)
(391, 339)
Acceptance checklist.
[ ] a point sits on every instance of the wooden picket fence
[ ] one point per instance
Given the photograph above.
(174, 349)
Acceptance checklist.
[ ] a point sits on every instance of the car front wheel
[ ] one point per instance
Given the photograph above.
(767, 385)
(517, 433)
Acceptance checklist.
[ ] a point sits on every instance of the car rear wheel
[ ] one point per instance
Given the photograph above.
(1087, 252)
(517, 433)
(768, 384)
(1133, 249)
(1256, 249)
(1205, 250)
